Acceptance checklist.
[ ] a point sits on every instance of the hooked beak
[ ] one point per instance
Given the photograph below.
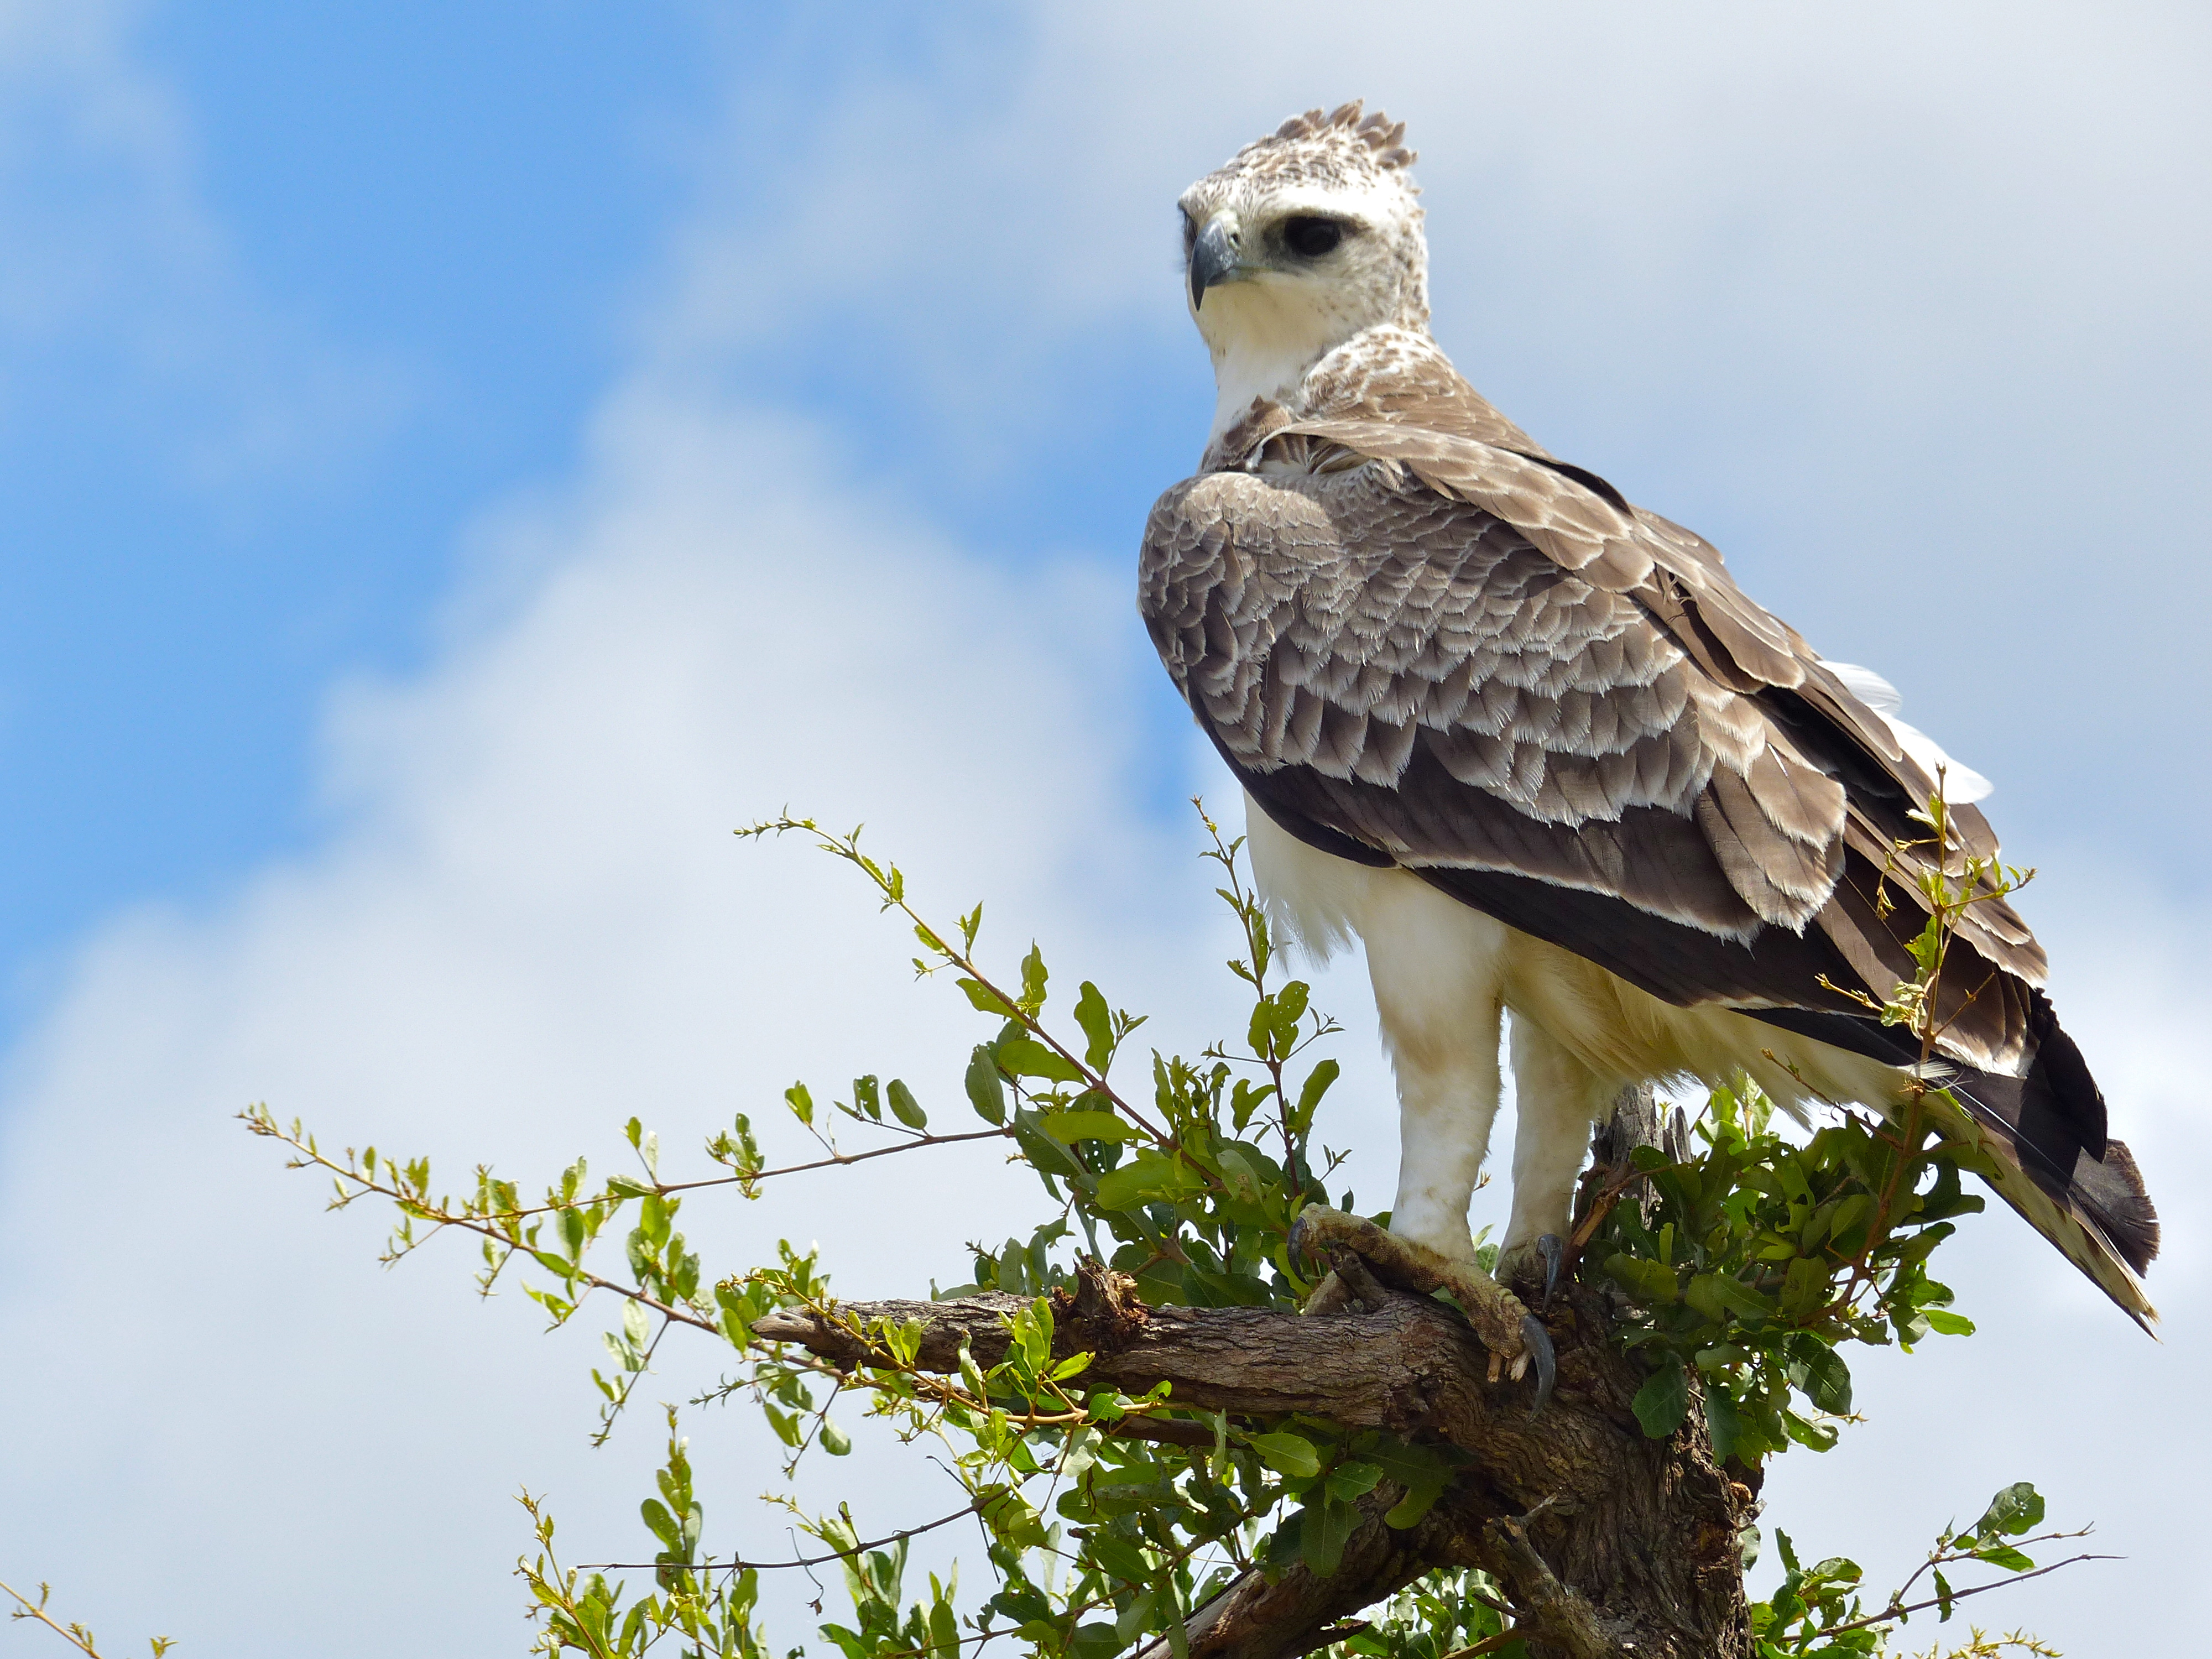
(1216, 257)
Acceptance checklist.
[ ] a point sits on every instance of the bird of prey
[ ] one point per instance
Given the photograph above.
(1532, 746)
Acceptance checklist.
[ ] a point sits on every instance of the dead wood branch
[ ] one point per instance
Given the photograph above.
(1606, 1542)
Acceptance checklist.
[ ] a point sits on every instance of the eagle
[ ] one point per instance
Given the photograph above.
(1531, 745)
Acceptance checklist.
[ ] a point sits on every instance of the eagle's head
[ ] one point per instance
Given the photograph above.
(1301, 241)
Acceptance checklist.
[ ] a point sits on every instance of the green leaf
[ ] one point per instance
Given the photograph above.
(1274, 1024)
(1316, 1085)
(986, 1092)
(1663, 1401)
(1804, 1289)
(1722, 1420)
(1025, 1056)
(1287, 1454)
(1322, 1539)
(1815, 1437)
(660, 1522)
(1408, 1463)
(1849, 1215)
(1945, 1323)
(2016, 1510)
(867, 1096)
(1417, 1502)
(905, 1106)
(1042, 1151)
(1096, 1020)
(1820, 1371)
(1651, 1283)
(1716, 1294)
(802, 1103)
(986, 1000)
(1350, 1481)
(1148, 1176)
(1069, 1127)
(1033, 981)
(1245, 1170)
(835, 1441)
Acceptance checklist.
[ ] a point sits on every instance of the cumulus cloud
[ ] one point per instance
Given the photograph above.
(529, 921)
(1884, 302)
(526, 918)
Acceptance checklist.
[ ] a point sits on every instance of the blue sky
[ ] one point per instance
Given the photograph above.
(464, 459)
(369, 268)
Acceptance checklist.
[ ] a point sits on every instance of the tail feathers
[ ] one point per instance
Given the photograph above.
(2098, 1212)
(2052, 1159)
(2113, 1194)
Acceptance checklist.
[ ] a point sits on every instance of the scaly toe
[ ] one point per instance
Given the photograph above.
(1498, 1315)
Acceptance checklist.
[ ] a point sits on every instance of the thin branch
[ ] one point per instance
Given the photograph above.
(1489, 1644)
(73, 1633)
(1944, 1556)
(1892, 1612)
(422, 1210)
(657, 1188)
(738, 1565)
(831, 1162)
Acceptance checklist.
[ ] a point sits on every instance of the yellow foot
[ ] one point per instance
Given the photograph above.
(1512, 1334)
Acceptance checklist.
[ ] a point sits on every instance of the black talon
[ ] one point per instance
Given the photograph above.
(1554, 1249)
(1538, 1341)
(1301, 1230)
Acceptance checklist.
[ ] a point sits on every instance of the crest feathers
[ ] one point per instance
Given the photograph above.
(1383, 138)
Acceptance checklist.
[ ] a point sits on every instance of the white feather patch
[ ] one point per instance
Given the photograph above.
(1961, 783)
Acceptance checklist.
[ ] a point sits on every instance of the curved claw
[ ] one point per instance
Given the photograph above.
(1554, 1249)
(1301, 1233)
(1538, 1341)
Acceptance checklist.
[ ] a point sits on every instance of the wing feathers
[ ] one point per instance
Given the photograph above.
(1432, 646)
(1580, 695)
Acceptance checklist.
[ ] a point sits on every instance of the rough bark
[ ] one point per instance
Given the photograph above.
(1605, 1542)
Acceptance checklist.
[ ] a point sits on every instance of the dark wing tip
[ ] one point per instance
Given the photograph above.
(2116, 1197)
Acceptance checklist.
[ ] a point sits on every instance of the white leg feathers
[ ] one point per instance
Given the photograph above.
(1437, 991)
(1556, 1099)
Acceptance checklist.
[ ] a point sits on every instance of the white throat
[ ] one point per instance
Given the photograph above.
(1263, 336)
(1239, 376)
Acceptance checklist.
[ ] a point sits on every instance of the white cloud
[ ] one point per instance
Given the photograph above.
(528, 921)
(1890, 301)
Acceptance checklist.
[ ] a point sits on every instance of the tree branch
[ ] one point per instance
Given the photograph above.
(1572, 1511)
(1412, 1366)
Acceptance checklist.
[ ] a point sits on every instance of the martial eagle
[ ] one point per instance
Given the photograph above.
(1532, 746)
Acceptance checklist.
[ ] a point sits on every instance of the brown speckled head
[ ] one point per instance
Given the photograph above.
(1331, 147)
(1301, 241)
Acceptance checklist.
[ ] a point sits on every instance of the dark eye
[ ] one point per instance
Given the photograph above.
(1309, 238)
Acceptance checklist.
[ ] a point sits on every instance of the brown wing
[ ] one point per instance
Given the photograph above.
(1497, 672)
(1681, 584)
(1389, 657)
(1488, 668)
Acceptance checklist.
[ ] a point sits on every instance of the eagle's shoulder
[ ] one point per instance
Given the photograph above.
(1401, 375)
(1462, 654)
